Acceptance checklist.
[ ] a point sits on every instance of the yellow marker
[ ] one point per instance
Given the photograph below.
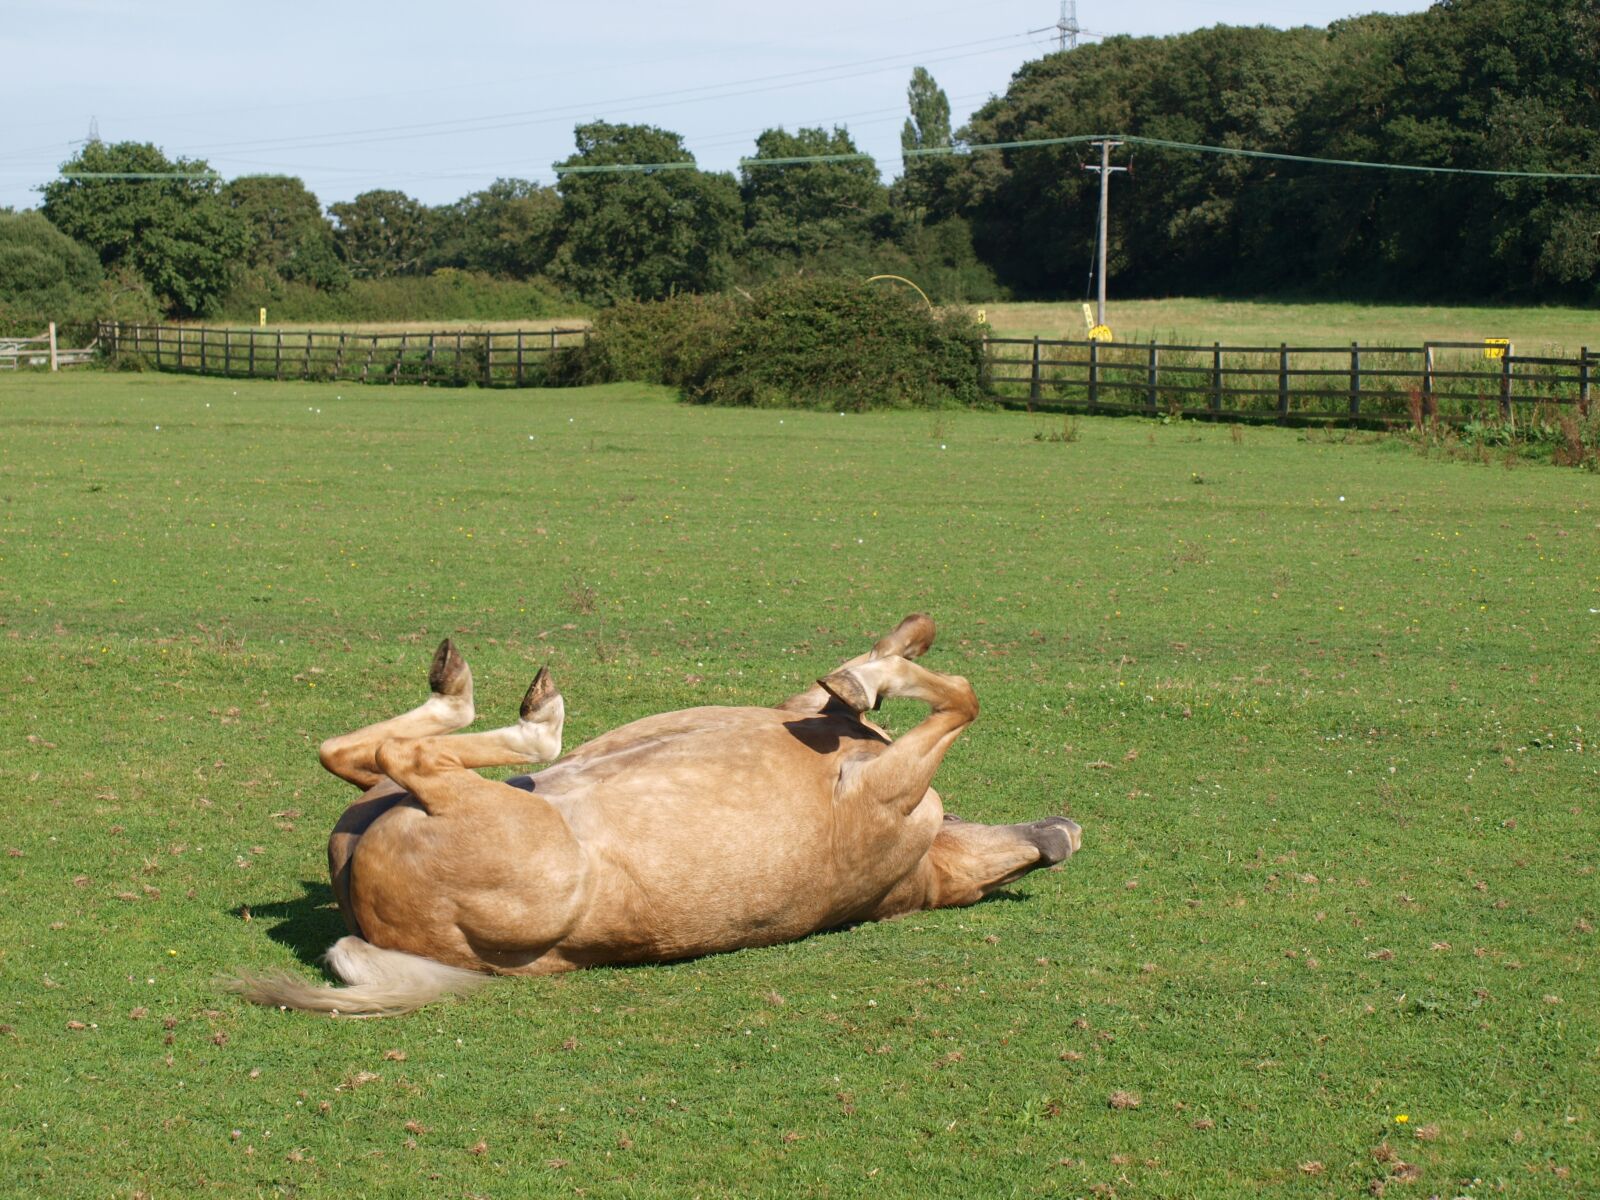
(1101, 333)
(1495, 347)
(263, 318)
(1088, 319)
(983, 317)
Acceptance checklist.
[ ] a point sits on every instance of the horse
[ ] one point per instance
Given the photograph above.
(682, 834)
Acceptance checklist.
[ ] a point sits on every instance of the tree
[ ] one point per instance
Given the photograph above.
(825, 213)
(163, 220)
(382, 233)
(287, 232)
(925, 182)
(642, 234)
(508, 229)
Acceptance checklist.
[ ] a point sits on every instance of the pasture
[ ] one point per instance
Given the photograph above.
(1325, 708)
(1550, 331)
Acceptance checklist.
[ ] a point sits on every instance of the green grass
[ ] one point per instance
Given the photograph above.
(1325, 709)
(1538, 331)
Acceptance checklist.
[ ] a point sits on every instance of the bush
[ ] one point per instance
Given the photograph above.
(798, 342)
(664, 341)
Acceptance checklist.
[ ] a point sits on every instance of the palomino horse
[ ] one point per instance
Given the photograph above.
(681, 834)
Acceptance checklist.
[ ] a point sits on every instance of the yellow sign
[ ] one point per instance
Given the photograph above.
(1101, 333)
(1495, 347)
(1088, 319)
(263, 318)
(983, 317)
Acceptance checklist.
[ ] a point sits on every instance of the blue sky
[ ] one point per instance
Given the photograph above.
(438, 100)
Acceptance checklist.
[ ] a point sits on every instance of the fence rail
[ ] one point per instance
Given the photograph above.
(513, 358)
(1450, 381)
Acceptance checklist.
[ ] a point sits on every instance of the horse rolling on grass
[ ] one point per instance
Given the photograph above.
(681, 834)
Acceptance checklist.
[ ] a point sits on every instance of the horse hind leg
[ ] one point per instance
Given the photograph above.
(353, 756)
(414, 764)
(439, 770)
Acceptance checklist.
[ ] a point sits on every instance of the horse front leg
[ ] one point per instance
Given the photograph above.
(900, 774)
(969, 861)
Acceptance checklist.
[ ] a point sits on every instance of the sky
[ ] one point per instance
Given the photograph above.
(439, 100)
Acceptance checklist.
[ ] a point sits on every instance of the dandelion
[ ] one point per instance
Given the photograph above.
(1401, 1118)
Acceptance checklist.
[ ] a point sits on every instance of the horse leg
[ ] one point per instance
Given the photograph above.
(968, 861)
(512, 872)
(909, 639)
(352, 756)
(535, 738)
(434, 768)
(899, 775)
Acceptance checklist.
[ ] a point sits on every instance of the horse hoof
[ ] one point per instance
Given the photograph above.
(912, 638)
(448, 676)
(1058, 839)
(540, 693)
(844, 687)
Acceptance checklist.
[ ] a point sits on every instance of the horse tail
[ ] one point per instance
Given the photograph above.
(380, 983)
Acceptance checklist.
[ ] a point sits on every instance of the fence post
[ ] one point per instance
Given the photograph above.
(277, 354)
(1355, 380)
(1427, 370)
(1583, 382)
(519, 358)
(338, 357)
(202, 349)
(458, 355)
(252, 359)
(1216, 377)
(1150, 380)
(1033, 376)
(1094, 374)
(179, 329)
(308, 355)
(427, 369)
(1283, 381)
(1505, 386)
(55, 364)
(400, 357)
(488, 358)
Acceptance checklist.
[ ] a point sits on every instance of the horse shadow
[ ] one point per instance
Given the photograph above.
(307, 924)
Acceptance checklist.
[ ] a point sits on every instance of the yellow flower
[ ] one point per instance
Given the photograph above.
(1401, 1118)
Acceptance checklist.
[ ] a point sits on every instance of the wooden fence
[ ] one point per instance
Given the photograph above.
(1451, 381)
(1377, 385)
(514, 358)
(44, 350)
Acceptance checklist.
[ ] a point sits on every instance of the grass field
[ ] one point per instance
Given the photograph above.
(1325, 708)
(1538, 331)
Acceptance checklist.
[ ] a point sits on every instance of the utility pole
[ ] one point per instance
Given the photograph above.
(1105, 168)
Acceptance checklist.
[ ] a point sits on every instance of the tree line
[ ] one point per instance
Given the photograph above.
(1468, 85)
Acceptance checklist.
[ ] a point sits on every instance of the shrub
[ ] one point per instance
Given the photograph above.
(822, 343)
